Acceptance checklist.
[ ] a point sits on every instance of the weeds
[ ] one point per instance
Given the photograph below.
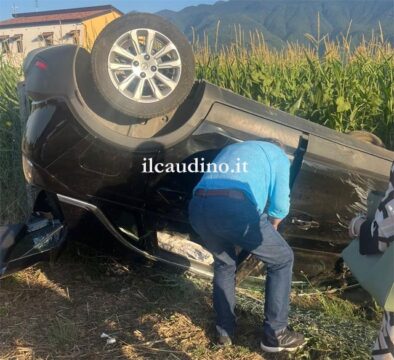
(62, 332)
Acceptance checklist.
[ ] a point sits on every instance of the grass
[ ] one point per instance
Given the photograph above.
(61, 333)
(336, 308)
(335, 328)
(154, 313)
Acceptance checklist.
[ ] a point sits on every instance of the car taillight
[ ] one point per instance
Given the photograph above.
(41, 64)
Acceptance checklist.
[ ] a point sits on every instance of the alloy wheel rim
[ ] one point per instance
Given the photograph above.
(144, 65)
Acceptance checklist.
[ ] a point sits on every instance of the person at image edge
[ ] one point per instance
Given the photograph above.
(375, 237)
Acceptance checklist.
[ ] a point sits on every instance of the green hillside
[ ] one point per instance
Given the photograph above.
(281, 21)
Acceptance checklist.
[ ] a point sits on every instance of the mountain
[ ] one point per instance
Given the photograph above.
(286, 20)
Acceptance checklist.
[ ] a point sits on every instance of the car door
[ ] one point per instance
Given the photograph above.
(332, 186)
(22, 245)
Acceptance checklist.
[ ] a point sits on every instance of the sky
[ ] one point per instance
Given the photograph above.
(7, 6)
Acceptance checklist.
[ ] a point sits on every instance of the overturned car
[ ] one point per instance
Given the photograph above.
(101, 122)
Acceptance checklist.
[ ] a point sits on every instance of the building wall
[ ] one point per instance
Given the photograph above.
(88, 31)
(32, 39)
(94, 26)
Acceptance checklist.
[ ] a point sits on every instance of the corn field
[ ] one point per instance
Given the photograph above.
(12, 186)
(327, 82)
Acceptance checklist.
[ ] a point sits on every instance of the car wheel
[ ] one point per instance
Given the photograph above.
(142, 65)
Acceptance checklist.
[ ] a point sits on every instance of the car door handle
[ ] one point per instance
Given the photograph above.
(305, 224)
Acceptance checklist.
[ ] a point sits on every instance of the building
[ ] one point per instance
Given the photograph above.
(27, 31)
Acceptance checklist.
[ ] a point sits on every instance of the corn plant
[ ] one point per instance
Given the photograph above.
(329, 82)
(12, 186)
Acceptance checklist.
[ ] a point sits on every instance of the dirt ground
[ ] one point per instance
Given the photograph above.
(61, 311)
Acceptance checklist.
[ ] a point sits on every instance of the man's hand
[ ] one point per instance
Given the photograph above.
(275, 222)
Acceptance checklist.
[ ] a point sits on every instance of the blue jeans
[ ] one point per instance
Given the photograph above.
(224, 222)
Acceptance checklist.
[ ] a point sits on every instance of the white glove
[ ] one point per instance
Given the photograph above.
(355, 225)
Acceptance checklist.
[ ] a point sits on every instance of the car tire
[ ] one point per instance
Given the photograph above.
(153, 87)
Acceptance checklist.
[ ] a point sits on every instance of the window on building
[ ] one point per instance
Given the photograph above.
(19, 43)
(5, 44)
(47, 37)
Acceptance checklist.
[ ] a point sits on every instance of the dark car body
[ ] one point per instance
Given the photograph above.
(87, 158)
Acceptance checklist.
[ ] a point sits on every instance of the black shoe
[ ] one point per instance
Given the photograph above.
(224, 341)
(282, 340)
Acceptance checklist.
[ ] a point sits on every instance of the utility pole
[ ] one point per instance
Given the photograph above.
(14, 7)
